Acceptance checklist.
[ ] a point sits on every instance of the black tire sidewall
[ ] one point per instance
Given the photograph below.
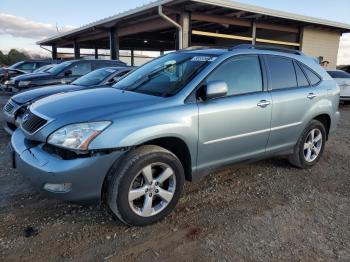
(313, 125)
(122, 180)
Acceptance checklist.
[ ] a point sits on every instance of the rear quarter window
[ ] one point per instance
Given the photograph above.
(312, 76)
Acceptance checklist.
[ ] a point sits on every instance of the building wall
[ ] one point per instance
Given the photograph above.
(318, 42)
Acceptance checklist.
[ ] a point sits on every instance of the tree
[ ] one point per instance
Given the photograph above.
(15, 56)
(3, 59)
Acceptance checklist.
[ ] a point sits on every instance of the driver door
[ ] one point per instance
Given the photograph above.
(237, 126)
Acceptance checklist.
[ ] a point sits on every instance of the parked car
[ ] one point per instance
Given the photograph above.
(343, 80)
(6, 74)
(65, 72)
(178, 117)
(18, 104)
(30, 66)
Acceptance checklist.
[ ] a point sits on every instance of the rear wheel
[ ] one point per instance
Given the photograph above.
(145, 186)
(310, 146)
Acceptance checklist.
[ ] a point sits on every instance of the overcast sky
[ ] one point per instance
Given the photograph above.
(22, 23)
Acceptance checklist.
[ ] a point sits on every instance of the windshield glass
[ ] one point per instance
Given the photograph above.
(14, 66)
(166, 75)
(95, 77)
(43, 69)
(59, 68)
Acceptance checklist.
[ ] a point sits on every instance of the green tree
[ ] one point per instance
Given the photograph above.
(3, 59)
(15, 56)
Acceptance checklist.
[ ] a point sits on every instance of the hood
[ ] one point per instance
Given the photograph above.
(33, 76)
(38, 93)
(92, 104)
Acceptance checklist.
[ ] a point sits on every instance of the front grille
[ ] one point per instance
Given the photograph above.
(31, 122)
(9, 107)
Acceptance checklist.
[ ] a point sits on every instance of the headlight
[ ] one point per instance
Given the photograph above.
(77, 136)
(24, 83)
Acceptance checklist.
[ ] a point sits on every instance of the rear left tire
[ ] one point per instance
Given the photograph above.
(310, 146)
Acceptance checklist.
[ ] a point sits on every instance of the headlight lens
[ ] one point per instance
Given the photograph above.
(24, 83)
(77, 136)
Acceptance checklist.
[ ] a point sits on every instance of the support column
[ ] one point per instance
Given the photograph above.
(114, 43)
(54, 51)
(254, 33)
(132, 56)
(185, 21)
(177, 38)
(96, 53)
(76, 50)
(161, 52)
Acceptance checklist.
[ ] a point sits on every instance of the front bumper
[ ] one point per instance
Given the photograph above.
(86, 175)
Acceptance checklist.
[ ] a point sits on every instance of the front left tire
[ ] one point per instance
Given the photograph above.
(145, 185)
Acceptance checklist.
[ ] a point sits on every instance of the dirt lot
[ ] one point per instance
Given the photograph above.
(262, 211)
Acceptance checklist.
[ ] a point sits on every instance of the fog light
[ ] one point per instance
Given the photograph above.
(58, 188)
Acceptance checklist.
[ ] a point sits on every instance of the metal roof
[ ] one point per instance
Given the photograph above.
(219, 3)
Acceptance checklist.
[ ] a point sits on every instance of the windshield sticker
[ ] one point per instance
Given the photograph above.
(203, 59)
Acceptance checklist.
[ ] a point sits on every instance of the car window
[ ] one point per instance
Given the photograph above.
(242, 75)
(302, 80)
(339, 74)
(80, 69)
(27, 66)
(282, 72)
(313, 78)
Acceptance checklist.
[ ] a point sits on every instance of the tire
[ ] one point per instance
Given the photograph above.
(131, 176)
(300, 157)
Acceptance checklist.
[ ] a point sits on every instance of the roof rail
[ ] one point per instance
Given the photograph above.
(266, 47)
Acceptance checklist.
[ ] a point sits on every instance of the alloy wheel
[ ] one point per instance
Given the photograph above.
(152, 189)
(313, 145)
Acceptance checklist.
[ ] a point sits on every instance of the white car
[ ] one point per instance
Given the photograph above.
(343, 80)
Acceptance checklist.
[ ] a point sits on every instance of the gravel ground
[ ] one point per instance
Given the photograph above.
(257, 212)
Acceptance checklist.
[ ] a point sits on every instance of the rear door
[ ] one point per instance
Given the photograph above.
(236, 126)
(293, 88)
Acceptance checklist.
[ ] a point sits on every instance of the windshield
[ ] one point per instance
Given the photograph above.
(95, 77)
(43, 69)
(166, 75)
(59, 68)
(14, 66)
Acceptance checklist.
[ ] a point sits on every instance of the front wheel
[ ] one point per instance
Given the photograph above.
(310, 146)
(145, 185)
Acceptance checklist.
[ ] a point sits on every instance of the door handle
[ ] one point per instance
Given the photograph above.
(263, 103)
(311, 96)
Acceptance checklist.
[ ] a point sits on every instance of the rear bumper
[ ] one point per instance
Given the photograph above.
(334, 122)
(85, 175)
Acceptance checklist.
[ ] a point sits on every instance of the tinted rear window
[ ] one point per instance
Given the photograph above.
(302, 80)
(313, 78)
(339, 74)
(282, 72)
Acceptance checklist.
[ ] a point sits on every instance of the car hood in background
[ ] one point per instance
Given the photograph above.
(33, 76)
(38, 93)
(92, 104)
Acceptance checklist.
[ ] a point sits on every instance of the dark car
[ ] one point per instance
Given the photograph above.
(23, 67)
(18, 104)
(8, 73)
(65, 72)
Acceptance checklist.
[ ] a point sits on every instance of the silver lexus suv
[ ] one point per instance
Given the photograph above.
(177, 118)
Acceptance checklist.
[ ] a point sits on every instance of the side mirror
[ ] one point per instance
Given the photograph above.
(68, 73)
(215, 89)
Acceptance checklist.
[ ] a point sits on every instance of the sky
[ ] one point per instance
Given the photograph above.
(22, 23)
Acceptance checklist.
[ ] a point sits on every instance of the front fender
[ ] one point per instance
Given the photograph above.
(176, 122)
